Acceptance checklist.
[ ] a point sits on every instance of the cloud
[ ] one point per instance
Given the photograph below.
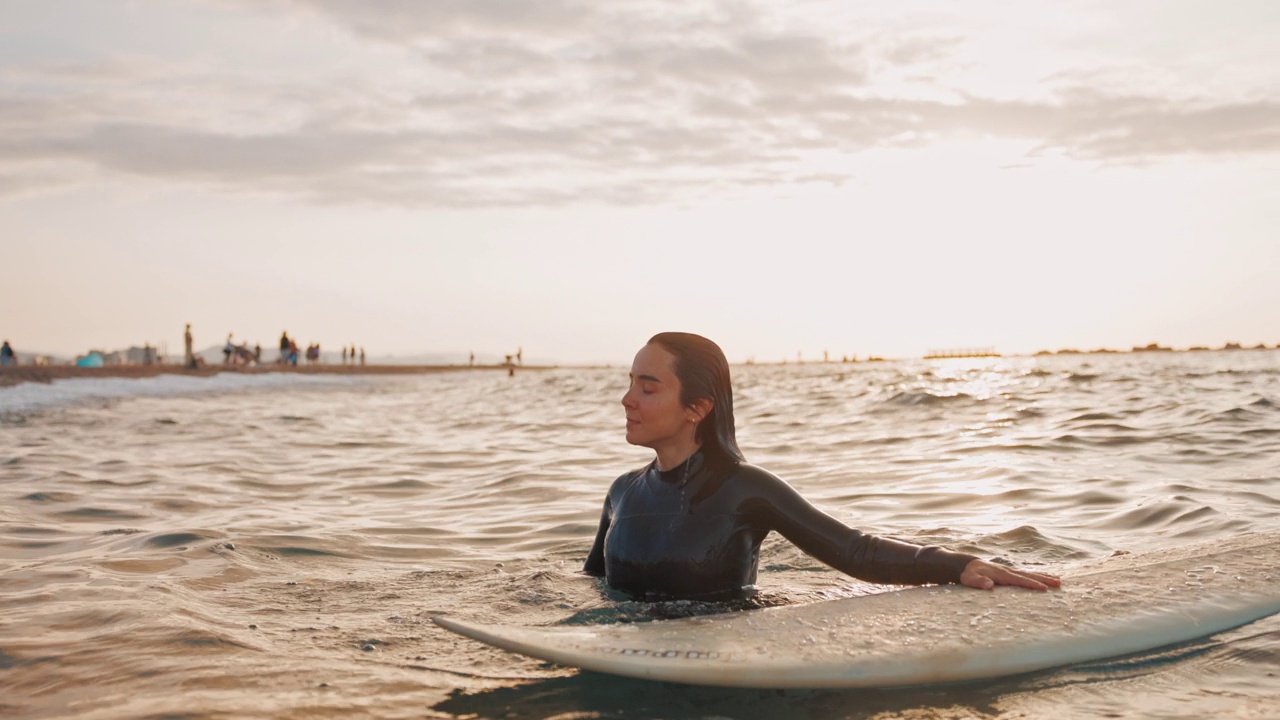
(920, 49)
(158, 150)
(413, 20)
(1128, 129)
(505, 102)
(1119, 129)
(35, 179)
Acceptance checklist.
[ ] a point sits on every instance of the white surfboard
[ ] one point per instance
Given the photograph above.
(1117, 606)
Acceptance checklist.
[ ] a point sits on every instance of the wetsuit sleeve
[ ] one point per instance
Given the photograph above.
(595, 559)
(851, 551)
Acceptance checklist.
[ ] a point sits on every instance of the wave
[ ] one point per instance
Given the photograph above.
(30, 397)
(1082, 376)
(1178, 510)
(928, 399)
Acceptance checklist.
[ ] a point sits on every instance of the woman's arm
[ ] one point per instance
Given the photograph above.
(869, 557)
(595, 559)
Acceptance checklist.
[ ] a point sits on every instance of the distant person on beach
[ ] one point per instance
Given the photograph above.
(257, 353)
(284, 347)
(690, 523)
(293, 352)
(472, 360)
(227, 350)
(189, 356)
(362, 355)
(344, 354)
(520, 356)
(7, 356)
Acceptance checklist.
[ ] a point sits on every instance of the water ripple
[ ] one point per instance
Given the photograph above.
(163, 538)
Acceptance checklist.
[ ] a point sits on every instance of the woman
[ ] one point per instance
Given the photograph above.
(690, 524)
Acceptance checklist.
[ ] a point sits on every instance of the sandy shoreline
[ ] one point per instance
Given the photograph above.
(13, 375)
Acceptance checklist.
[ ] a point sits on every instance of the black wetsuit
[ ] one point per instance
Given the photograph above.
(695, 531)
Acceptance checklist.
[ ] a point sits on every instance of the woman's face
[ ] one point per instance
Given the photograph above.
(655, 416)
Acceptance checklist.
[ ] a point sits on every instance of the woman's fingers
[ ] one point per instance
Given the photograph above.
(985, 576)
(1019, 580)
(1050, 580)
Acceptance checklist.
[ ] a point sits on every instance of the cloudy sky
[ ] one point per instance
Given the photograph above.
(571, 177)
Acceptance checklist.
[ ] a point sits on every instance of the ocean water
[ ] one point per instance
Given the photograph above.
(274, 546)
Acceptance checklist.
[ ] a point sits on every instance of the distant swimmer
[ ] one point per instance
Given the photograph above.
(690, 523)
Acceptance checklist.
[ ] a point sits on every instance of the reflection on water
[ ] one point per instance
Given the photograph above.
(206, 546)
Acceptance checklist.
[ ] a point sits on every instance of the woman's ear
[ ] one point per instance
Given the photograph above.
(701, 408)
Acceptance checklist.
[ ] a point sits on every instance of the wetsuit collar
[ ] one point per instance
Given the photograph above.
(681, 473)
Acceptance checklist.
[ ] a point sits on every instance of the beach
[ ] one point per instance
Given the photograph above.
(266, 544)
(15, 374)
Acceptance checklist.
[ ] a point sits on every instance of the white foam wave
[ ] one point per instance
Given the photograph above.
(27, 397)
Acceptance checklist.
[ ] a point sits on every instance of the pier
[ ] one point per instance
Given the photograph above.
(961, 353)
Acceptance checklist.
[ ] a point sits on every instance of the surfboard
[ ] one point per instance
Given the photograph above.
(1116, 606)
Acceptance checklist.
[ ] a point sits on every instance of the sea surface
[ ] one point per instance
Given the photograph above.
(263, 546)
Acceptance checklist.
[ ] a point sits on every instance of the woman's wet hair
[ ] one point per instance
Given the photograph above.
(703, 371)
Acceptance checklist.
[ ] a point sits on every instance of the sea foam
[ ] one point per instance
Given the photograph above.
(31, 396)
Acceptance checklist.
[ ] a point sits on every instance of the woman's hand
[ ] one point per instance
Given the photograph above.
(985, 576)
